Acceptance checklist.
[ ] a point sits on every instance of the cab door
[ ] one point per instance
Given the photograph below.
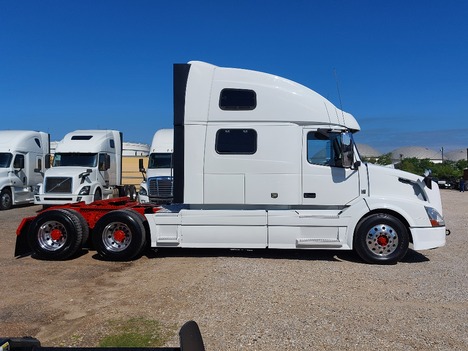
(326, 181)
(19, 179)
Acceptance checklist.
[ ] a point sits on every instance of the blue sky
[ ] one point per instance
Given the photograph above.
(401, 66)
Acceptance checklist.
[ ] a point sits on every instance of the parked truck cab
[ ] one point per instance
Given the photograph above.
(87, 166)
(261, 162)
(157, 185)
(24, 156)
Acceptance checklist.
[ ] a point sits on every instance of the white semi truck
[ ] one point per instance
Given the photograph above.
(24, 155)
(157, 185)
(259, 162)
(87, 166)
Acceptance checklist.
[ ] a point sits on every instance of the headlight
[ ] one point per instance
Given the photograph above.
(143, 191)
(84, 190)
(36, 189)
(435, 217)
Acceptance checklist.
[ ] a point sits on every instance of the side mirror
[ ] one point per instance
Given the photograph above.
(347, 151)
(47, 159)
(141, 166)
(39, 166)
(428, 178)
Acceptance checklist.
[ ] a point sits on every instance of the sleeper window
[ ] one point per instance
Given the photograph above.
(237, 100)
(236, 141)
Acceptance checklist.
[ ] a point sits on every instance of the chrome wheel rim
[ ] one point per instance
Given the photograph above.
(116, 237)
(52, 236)
(382, 240)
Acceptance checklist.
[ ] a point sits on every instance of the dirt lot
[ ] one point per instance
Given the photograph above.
(246, 300)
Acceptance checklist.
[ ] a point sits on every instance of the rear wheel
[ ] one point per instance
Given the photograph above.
(6, 201)
(133, 192)
(83, 223)
(130, 192)
(56, 234)
(120, 235)
(381, 238)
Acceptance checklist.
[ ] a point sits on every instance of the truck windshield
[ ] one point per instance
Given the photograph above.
(75, 159)
(5, 159)
(159, 160)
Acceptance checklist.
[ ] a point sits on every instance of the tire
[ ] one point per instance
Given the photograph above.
(97, 195)
(120, 235)
(56, 234)
(122, 191)
(83, 223)
(6, 201)
(381, 239)
(126, 191)
(133, 192)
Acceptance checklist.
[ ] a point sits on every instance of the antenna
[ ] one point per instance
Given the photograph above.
(339, 94)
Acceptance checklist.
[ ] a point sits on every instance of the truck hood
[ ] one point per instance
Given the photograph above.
(4, 172)
(4, 177)
(388, 182)
(72, 172)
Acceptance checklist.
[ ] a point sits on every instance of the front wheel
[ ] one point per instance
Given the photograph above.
(119, 235)
(97, 195)
(56, 234)
(6, 201)
(381, 238)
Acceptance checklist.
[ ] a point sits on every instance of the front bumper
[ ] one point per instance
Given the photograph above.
(61, 199)
(428, 238)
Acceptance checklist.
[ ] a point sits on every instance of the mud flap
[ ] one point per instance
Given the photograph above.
(191, 338)
(22, 246)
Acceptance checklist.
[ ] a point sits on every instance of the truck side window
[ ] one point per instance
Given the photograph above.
(237, 100)
(18, 162)
(236, 141)
(102, 162)
(323, 149)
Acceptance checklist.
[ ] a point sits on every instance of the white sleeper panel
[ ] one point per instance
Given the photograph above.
(224, 188)
(164, 227)
(223, 228)
(305, 218)
(224, 217)
(223, 236)
(193, 163)
(283, 237)
(277, 189)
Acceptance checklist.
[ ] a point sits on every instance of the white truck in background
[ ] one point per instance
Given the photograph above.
(157, 185)
(259, 162)
(87, 166)
(24, 155)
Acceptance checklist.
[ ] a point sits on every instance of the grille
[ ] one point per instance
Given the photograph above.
(160, 187)
(58, 185)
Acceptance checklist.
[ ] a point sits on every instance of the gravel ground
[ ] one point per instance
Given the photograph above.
(247, 300)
